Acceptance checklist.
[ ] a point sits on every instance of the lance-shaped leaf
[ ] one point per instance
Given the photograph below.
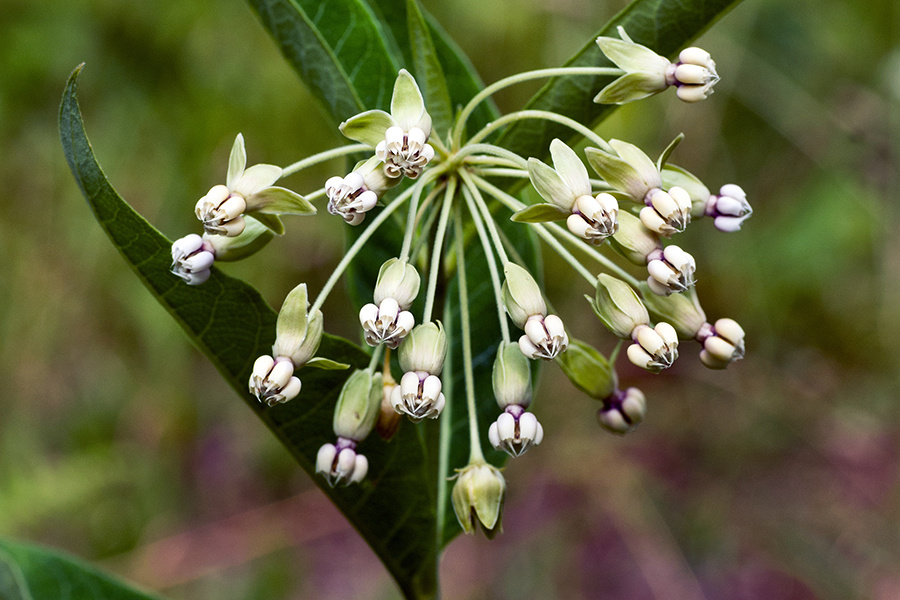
(540, 213)
(394, 507)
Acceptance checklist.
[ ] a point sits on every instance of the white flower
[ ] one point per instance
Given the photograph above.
(647, 73)
(654, 349)
(567, 188)
(250, 190)
(729, 208)
(418, 396)
(515, 431)
(671, 270)
(666, 213)
(349, 197)
(723, 343)
(623, 411)
(340, 464)
(386, 323)
(272, 380)
(399, 138)
(545, 337)
(191, 259)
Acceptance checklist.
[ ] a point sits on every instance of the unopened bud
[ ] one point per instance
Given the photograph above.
(424, 349)
(588, 370)
(655, 348)
(399, 280)
(633, 240)
(357, 406)
(511, 377)
(618, 306)
(522, 295)
(297, 334)
(723, 343)
(623, 411)
(478, 496)
(682, 311)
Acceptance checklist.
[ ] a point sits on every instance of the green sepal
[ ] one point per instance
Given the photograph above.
(254, 237)
(367, 127)
(664, 157)
(539, 213)
(588, 370)
(407, 104)
(550, 185)
(273, 222)
(280, 201)
(628, 88)
(326, 364)
(634, 58)
(615, 171)
(682, 311)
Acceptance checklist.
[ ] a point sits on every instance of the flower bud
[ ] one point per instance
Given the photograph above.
(424, 349)
(682, 311)
(272, 382)
(340, 464)
(723, 343)
(388, 419)
(618, 306)
(478, 496)
(357, 406)
(515, 431)
(633, 240)
(399, 280)
(654, 349)
(694, 74)
(671, 271)
(522, 295)
(588, 370)
(511, 376)
(297, 334)
(623, 411)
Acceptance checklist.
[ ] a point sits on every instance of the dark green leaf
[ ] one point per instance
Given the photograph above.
(337, 48)
(32, 573)
(539, 213)
(428, 70)
(664, 26)
(232, 325)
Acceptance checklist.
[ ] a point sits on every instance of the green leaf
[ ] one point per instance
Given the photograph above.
(539, 213)
(462, 80)
(337, 48)
(32, 573)
(393, 509)
(664, 26)
(427, 68)
(325, 364)
(271, 222)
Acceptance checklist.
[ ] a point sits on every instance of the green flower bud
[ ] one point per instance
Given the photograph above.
(478, 498)
(522, 295)
(512, 376)
(588, 370)
(682, 311)
(358, 405)
(618, 306)
(398, 280)
(633, 240)
(424, 349)
(297, 334)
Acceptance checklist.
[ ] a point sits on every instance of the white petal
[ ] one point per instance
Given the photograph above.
(554, 326)
(692, 93)
(409, 384)
(527, 348)
(186, 245)
(367, 201)
(528, 425)
(692, 74)
(494, 437)
(281, 373)
(534, 329)
(360, 469)
(217, 195)
(346, 461)
(233, 228)
(367, 315)
(728, 224)
(667, 333)
(292, 388)
(197, 278)
(506, 427)
(660, 271)
(388, 308)
(638, 356)
(733, 191)
(431, 388)
(325, 458)
(658, 288)
(730, 330)
(201, 261)
(578, 226)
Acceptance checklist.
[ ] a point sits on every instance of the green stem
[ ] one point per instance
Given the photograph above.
(517, 173)
(492, 150)
(434, 266)
(322, 157)
(376, 356)
(492, 263)
(518, 78)
(357, 246)
(547, 116)
(475, 453)
(418, 188)
(486, 213)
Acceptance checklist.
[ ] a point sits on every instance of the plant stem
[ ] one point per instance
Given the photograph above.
(486, 213)
(492, 263)
(376, 356)
(418, 188)
(434, 266)
(322, 157)
(493, 150)
(518, 78)
(357, 246)
(475, 453)
(547, 116)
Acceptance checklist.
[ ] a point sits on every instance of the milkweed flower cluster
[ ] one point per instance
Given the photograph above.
(610, 193)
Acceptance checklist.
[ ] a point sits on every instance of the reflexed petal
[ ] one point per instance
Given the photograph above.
(550, 185)
(407, 104)
(256, 178)
(279, 201)
(237, 161)
(368, 127)
(570, 168)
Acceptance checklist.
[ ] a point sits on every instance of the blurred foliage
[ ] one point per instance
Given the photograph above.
(776, 479)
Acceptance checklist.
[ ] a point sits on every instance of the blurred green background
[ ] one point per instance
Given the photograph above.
(777, 479)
